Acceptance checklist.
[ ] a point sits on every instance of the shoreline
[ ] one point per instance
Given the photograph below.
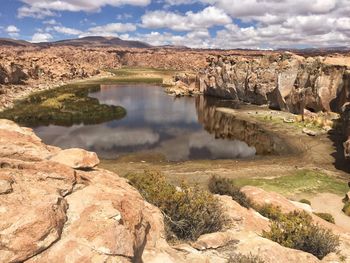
(23, 91)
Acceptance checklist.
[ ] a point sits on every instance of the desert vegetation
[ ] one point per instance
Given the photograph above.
(188, 211)
(326, 216)
(224, 186)
(296, 230)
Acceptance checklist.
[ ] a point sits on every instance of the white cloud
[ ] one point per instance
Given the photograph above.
(12, 31)
(44, 8)
(112, 29)
(67, 30)
(208, 17)
(257, 23)
(41, 37)
(50, 22)
(35, 12)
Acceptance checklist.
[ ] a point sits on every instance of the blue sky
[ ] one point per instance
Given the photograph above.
(206, 23)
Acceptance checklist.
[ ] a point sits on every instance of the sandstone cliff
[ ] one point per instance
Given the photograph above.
(283, 81)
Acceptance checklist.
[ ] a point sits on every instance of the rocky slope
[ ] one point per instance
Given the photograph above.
(56, 206)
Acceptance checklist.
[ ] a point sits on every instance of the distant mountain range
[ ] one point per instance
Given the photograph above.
(98, 41)
(93, 41)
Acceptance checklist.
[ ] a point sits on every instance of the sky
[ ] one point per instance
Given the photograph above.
(256, 24)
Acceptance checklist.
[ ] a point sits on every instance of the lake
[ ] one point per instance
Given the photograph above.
(155, 123)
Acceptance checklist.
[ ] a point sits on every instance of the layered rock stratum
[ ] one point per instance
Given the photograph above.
(56, 210)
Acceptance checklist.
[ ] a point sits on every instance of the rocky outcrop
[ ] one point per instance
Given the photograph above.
(284, 81)
(345, 116)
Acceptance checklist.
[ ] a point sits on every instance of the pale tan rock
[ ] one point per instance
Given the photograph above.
(269, 251)
(76, 158)
(22, 143)
(241, 217)
(214, 240)
(5, 187)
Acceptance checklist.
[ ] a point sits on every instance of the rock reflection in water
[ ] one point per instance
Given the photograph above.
(155, 123)
(227, 126)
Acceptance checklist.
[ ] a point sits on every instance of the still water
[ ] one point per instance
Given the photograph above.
(177, 128)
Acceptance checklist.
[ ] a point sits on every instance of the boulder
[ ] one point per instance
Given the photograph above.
(76, 158)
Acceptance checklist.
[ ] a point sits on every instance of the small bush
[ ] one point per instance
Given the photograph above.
(305, 201)
(240, 258)
(326, 216)
(346, 208)
(296, 230)
(224, 186)
(270, 211)
(188, 212)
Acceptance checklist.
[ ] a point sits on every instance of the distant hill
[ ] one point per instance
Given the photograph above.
(318, 51)
(14, 42)
(96, 41)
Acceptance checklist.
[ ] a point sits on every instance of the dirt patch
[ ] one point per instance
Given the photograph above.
(332, 204)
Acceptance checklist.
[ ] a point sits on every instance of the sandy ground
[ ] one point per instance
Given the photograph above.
(332, 204)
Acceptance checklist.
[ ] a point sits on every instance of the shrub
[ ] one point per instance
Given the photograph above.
(305, 201)
(270, 211)
(188, 212)
(240, 258)
(296, 230)
(224, 186)
(326, 216)
(346, 208)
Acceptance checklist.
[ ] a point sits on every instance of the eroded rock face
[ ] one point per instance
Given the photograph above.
(345, 116)
(284, 81)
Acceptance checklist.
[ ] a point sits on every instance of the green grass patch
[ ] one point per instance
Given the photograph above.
(303, 181)
(65, 106)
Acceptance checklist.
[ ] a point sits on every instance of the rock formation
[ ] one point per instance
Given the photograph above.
(345, 116)
(51, 212)
(283, 81)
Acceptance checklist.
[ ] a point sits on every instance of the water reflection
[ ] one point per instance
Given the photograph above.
(155, 123)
